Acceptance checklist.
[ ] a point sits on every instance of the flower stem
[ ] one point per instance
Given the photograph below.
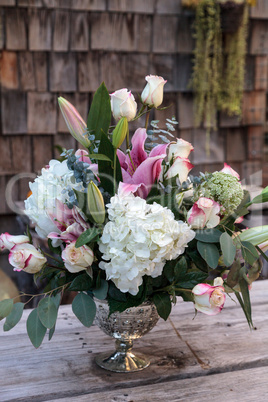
(147, 117)
(114, 170)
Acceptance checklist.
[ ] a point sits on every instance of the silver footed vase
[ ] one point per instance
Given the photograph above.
(125, 327)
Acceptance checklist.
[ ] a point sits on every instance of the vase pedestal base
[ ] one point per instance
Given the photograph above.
(122, 362)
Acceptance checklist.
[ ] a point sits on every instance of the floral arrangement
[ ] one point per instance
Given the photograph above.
(127, 223)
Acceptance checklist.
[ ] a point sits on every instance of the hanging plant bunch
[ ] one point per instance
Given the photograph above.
(220, 31)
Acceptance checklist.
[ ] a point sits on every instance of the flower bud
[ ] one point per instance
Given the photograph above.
(8, 241)
(95, 203)
(209, 299)
(123, 104)
(153, 92)
(120, 132)
(74, 121)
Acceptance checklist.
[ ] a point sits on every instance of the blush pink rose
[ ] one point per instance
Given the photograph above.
(152, 94)
(77, 259)
(8, 241)
(204, 213)
(209, 299)
(25, 257)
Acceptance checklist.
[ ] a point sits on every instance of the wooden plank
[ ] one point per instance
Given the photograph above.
(40, 29)
(186, 110)
(88, 62)
(13, 101)
(9, 70)
(249, 73)
(6, 157)
(216, 144)
(229, 121)
(7, 3)
(185, 34)
(4, 207)
(27, 78)
(231, 385)
(16, 37)
(40, 68)
(41, 113)
(236, 145)
(68, 369)
(254, 108)
(62, 72)
(259, 38)
(252, 172)
(120, 32)
(42, 151)
(261, 72)
(21, 153)
(260, 10)
(61, 32)
(80, 32)
(168, 7)
(166, 67)
(255, 142)
(164, 39)
(135, 6)
(2, 30)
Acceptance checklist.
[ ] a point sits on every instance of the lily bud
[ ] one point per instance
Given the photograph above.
(74, 121)
(120, 132)
(95, 203)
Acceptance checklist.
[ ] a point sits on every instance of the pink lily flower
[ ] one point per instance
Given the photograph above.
(69, 222)
(141, 170)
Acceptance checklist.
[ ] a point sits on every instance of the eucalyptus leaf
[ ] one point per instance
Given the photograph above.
(99, 116)
(101, 292)
(228, 249)
(47, 312)
(163, 304)
(51, 332)
(208, 235)
(14, 317)
(209, 253)
(100, 157)
(6, 307)
(82, 282)
(84, 308)
(246, 299)
(35, 329)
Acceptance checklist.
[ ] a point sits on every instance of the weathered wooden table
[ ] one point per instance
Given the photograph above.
(206, 359)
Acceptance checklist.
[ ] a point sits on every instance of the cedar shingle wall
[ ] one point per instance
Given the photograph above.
(68, 47)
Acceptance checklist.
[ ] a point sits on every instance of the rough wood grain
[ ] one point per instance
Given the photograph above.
(40, 66)
(16, 37)
(9, 70)
(40, 27)
(80, 32)
(27, 78)
(195, 353)
(13, 101)
(41, 113)
(61, 34)
(62, 72)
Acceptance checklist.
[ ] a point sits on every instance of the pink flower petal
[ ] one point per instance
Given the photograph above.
(138, 154)
(202, 288)
(196, 217)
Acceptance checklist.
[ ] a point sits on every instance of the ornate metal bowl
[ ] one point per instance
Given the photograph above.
(125, 327)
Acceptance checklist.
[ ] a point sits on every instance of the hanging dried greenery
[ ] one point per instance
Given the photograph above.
(219, 58)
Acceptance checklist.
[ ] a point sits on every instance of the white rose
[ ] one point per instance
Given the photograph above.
(153, 91)
(8, 241)
(123, 104)
(180, 148)
(25, 257)
(77, 259)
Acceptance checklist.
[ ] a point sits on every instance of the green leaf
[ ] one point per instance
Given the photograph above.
(249, 252)
(14, 317)
(47, 312)
(163, 304)
(82, 282)
(88, 236)
(115, 293)
(106, 171)
(209, 252)
(6, 307)
(200, 263)
(208, 235)
(191, 279)
(262, 197)
(35, 329)
(228, 249)
(51, 332)
(56, 299)
(245, 304)
(180, 269)
(233, 275)
(100, 157)
(99, 116)
(101, 292)
(84, 308)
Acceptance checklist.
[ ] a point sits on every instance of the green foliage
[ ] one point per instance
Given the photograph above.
(208, 235)
(35, 329)
(163, 304)
(47, 312)
(249, 252)
(82, 282)
(14, 317)
(120, 132)
(90, 235)
(209, 253)
(228, 249)
(101, 292)
(99, 116)
(84, 308)
(6, 307)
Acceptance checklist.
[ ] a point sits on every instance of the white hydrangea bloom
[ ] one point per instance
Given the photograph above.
(46, 189)
(138, 240)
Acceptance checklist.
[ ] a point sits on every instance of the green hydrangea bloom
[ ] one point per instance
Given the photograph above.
(222, 188)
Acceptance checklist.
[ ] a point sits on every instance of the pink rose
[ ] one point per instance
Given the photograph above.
(153, 92)
(77, 259)
(209, 299)
(27, 258)
(180, 148)
(8, 241)
(180, 167)
(227, 169)
(203, 213)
